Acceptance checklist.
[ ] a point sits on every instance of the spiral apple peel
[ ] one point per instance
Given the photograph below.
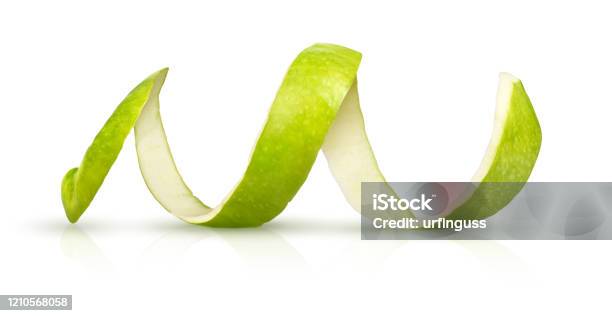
(316, 108)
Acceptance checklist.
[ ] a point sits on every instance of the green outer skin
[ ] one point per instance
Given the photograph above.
(303, 111)
(515, 158)
(80, 185)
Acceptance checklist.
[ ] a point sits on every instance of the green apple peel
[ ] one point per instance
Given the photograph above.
(316, 108)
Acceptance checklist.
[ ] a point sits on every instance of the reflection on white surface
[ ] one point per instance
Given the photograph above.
(78, 246)
(261, 248)
(175, 265)
(256, 247)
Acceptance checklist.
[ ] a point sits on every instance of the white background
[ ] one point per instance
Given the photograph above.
(428, 81)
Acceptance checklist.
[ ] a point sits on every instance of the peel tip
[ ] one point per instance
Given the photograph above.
(508, 77)
(163, 72)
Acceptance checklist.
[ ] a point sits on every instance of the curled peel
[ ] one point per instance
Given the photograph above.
(316, 107)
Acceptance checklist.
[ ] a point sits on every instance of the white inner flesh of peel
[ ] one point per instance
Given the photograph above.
(158, 168)
(346, 147)
(348, 151)
(504, 97)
